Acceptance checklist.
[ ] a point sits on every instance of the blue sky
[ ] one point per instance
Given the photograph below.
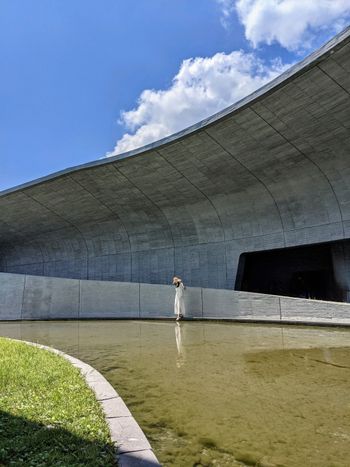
(70, 68)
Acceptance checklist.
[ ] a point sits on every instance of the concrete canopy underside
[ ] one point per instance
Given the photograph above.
(270, 172)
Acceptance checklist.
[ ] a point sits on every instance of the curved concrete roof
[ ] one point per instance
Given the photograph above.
(270, 171)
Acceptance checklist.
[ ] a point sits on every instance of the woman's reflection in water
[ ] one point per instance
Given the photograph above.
(180, 360)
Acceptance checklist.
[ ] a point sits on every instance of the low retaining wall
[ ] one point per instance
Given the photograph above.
(36, 297)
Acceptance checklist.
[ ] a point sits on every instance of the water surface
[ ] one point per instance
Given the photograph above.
(221, 394)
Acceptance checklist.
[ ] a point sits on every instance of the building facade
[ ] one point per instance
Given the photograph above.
(255, 198)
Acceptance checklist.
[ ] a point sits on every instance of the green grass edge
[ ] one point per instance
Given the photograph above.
(49, 416)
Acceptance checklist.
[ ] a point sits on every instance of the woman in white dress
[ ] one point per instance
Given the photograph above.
(179, 305)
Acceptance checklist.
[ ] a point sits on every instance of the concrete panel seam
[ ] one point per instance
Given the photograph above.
(42, 255)
(79, 304)
(139, 300)
(279, 306)
(154, 204)
(202, 301)
(105, 205)
(24, 288)
(325, 176)
(253, 175)
(331, 78)
(206, 196)
(69, 223)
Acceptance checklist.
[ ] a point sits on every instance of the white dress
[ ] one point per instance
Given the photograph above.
(179, 305)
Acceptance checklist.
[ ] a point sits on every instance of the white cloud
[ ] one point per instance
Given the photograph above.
(227, 8)
(202, 87)
(292, 23)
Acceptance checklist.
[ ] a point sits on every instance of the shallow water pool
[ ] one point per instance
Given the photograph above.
(222, 394)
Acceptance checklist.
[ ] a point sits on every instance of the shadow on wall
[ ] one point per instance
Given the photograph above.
(23, 442)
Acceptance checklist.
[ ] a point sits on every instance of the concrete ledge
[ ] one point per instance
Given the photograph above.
(36, 297)
(132, 446)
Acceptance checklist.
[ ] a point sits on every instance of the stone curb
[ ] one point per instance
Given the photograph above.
(132, 446)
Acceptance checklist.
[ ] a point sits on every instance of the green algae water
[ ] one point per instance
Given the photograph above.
(221, 394)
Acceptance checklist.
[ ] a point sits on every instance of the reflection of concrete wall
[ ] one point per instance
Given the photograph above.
(33, 297)
(270, 172)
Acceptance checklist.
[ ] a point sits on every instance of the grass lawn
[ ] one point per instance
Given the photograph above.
(48, 415)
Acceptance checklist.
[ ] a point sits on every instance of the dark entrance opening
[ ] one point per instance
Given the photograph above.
(312, 271)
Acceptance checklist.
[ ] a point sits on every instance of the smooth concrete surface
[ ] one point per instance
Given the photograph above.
(11, 296)
(295, 310)
(132, 446)
(108, 299)
(35, 297)
(219, 304)
(271, 171)
(50, 298)
(156, 301)
(193, 301)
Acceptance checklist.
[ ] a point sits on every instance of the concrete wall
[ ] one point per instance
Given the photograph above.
(34, 297)
(270, 172)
